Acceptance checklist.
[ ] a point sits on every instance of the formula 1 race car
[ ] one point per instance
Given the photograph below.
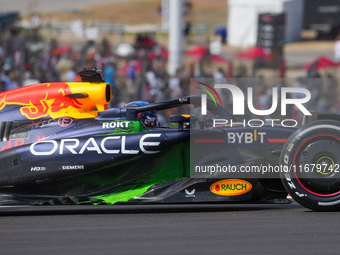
(61, 144)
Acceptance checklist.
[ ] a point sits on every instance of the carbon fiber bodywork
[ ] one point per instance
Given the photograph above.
(113, 158)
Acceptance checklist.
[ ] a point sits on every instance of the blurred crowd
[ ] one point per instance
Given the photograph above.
(53, 62)
(142, 77)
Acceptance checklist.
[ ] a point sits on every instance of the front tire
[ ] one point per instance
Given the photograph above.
(311, 159)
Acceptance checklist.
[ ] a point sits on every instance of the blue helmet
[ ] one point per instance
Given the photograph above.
(148, 118)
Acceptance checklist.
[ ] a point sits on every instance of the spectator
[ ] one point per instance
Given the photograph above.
(28, 80)
(131, 80)
(219, 75)
(6, 80)
(13, 81)
(70, 75)
(63, 66)
(109, 73)
(337, 48)
(175, 89)
(152, 85)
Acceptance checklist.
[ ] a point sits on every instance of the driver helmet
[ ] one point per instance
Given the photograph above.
(148, 118)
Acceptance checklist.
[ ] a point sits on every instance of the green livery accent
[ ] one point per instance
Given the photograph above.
(124, 196)
(169, 166)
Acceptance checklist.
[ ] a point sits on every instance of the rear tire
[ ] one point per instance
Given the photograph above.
(311, 158)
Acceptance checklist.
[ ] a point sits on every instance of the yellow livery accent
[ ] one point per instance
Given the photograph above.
(231, 187)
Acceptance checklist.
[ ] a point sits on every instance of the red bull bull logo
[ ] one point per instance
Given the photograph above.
(41, 100)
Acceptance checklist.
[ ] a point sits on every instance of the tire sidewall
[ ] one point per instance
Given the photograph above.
(291, 149)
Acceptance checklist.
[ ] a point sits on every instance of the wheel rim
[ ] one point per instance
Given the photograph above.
(321, 149)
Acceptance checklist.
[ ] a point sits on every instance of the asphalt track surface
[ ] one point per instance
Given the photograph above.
(168, 229)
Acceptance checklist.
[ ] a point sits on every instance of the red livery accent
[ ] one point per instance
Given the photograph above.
(277, 140)
(40, 100)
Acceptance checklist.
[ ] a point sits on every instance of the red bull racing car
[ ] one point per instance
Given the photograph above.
(61, 144)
